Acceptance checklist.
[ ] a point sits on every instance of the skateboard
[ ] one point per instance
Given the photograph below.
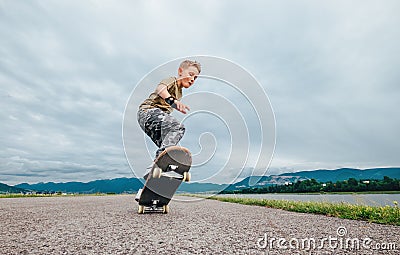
(170, 168)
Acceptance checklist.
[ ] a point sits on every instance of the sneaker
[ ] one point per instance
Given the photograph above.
(148, 171)
(138, 194)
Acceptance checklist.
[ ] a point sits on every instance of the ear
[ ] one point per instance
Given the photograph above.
(180, 71)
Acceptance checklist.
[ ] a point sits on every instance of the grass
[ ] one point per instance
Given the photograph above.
(383, 215)
(337, 193)
(20, 195)
(329, 193)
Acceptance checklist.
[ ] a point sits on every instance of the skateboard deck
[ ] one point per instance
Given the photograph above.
(169, 169)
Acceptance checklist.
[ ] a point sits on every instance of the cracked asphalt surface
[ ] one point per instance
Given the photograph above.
(111, 225)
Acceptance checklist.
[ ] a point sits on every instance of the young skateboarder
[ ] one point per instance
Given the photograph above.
(154, 113)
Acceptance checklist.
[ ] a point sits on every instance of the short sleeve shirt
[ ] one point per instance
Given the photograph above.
(155, 101)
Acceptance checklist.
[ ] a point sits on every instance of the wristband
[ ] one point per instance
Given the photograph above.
(170, 100)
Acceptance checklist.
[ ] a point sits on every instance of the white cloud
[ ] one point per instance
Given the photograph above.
(67, 69)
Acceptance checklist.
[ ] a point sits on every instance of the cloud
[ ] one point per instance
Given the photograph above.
(67, 70)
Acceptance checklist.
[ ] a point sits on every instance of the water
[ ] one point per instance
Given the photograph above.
(359, 199)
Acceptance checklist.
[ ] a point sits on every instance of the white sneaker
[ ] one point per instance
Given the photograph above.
(138, 194)
(148, 168)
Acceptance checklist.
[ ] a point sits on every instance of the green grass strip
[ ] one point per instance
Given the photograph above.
(384, 214)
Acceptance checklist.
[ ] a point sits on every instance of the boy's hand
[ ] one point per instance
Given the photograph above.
(181, 107)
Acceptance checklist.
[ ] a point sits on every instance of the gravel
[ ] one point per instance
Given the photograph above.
(111, 225)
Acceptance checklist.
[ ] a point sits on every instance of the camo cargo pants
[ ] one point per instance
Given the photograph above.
(163, 129)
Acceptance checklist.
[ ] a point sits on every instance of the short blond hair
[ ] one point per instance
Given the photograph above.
(186, 63)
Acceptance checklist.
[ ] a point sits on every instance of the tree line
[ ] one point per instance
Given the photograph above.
(312, 185)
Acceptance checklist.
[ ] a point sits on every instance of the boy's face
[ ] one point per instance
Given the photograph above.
(187, 76)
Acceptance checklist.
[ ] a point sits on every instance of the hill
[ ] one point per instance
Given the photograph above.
(4, 188)
(119, 185)
(319, 175)
(132, 185)
(346, 173)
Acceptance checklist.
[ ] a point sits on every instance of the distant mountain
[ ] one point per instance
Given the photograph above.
(319, 175)
(258, 181)
(346, 173)
(132, 185)
(119, 185)
(4, 188)
(194, 187)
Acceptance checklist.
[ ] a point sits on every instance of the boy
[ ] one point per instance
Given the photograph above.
(154, 113)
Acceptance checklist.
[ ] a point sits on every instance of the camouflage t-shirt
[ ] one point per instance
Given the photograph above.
(155, 101)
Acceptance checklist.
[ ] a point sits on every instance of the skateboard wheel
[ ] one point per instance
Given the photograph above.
(165, 209)
(186, 176)
(141, 209)
(157, 172)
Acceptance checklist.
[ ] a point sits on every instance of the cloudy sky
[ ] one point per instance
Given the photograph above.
(69, 69)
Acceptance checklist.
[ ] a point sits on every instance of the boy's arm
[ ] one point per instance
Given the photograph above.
(162, 91)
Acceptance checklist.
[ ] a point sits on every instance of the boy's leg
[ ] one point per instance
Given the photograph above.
(171, 132)
(163, 129)
(150, 123)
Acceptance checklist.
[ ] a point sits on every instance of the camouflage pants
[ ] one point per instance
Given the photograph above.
(163, 129)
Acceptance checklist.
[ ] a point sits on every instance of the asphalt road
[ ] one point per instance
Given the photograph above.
(111, 225)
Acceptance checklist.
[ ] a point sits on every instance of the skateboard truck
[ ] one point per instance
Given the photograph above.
(172, 167)
(154, 208)
(171, 173)
(159, 173)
